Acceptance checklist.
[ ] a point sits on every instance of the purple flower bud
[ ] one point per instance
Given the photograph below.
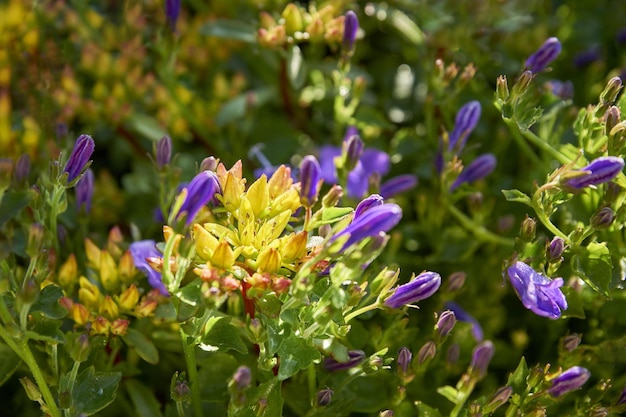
(310, 174)
(599, 171)
(603, 218)
(555, 249)
(350, 28)
(141, 251)
(84, 191)
(22, 168)
(456, 281)
(200, 190)
(537, 292)
(426, 352)
(446, 323)
(242, 377)
(547, 53)
(83, 149)
(571, 342)
(163, 151)
(464, 124)
(561, 89)
(324, 397)
(210, 164)
(353, 150)
(501, 396)
(373, 200)
(419, 288)
(622, 398)
(355, 357)
(398, 185)
(371, 223)
(172, 10)
(481, 356)
(464, 316)
(404, 359)
(478, 169)
(570, 380)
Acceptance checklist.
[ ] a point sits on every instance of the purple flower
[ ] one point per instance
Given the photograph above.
(446, 323)
(397, 185)
(353, 148)
(350, 28)
(570, 380)
(373, 200)
(163, 151)
(355, 357)
(547, 53)
(324, 397)
(599, 171)
(464, 316)
(242, 377)
(84, 191)
(555, 249)
(83, 149)
(419, 288)
(404, 359)
(478, 169)
(200, 191)
(141, 251)
(537, 292)
(22, 168)
(481, 356)
(371, 223)
(310, 173)
(464, 124)
(172, 11)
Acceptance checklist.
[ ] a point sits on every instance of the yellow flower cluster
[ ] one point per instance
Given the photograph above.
(104, 303)
(248, 244)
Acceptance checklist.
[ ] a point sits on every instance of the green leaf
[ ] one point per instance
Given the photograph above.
(426, 411)
(146, 126)
(9, 362)
(48, 302)
(144, 401)
(517, 380)
(46, 330)
(230, 29)
(450, 393)
(270, 393)
(517, 196)
(333, 214)
(574, 304)
(93, 391)
(295, 354)
(215, 372)
(528, 117)
(407, 27)
(220, 334)
(237, 107)
(12, 202)
(144, 347)
(593, 265)
(190, 301)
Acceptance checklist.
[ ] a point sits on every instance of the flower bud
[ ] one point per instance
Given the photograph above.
(522, 83)
(200, 191)
(22, 168)
(364, 205)
(528, 229)
(333, 196)
(172, 10)
(355, 357)
(386, 413)
(481, 356)
(209, 163)
(404, 360)
(478, 169)
(84, 191)
(79, 158)
(375, 220)
(419, 288)
(465, 122)
(555, 249)
(242, 378)
(310, 174)
(35, 240)
(163, 151)
(397, 185)
(350, 29)
(599, 171)
(500, 397)
(570, 380)
(426, 352)
(456, 281)
(293, 19)
(179, 388)
(571, 342)
(352, 151)
(445, 324)
(610, 92)
(80, 348)
(612, 119)
(603, 218)
(502, 88)
(547, 53)
(324, 397)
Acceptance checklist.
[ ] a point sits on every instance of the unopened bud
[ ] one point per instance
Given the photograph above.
(209, 164)
(502, 88)
(522, 83)
(404, 359)
(324, 397)
(555, 249)
(80, 348)
(179, 388)
(35, 240)
(333, 196)
(610, 92)
(603, 218)
(386, 413)
(612, 119)
(445, 324)
(426, 352)
(456, 281)
(500, 397)
(528, 229)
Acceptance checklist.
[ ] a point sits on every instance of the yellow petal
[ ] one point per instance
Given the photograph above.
(259, 197)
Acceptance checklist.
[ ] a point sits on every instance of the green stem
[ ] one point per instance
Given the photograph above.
(545, 220)
(180, 409)
(57, 193)
(479, 230)
(192, 371)
(70, 384)
(360, 311)
(464, 394)
(29, 359)
(519, 138)
(544, 146)
(312, 382)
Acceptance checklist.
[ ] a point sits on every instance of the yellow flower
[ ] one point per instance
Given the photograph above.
(108, 272)
(269, 260)
(68, 273)
(108, 308)
(89, 294)
(129, 298)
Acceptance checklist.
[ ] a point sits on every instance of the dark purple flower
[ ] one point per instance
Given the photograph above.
(622, 398)
(464, 123)
(163, 151)
(324, 397)
(478, 169)
(310, 174)
(172, 11)
(242, 377)
(419, 288)
(373, 200)
(547, 53)
(599, 171)
(84, 191)
(404, 359)
(353, 149)
(446, 323)
(555, 249)
(200, 190)
(22, 168)
(570, 380)
(350, 28)
(464, 316)
(397, 185)
(83, 149)
(374, 221)
(355, 357)
(141, 251)
(537, 292)
(481, 356)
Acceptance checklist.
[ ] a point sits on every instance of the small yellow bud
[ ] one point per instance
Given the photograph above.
(231, 192)
(223, 257)
(119, 327)
(126, 268)
(129, 298)
(204, 241)
(108, 272)
(68, 273)
(89, 294)
(293, 247)
(293, 19)
(115, 238)
(80, 314)
(93, 254)
(146, 307)
(101, 325)
(266, 20)
(269, 260)
(108, 308)
(280, 181)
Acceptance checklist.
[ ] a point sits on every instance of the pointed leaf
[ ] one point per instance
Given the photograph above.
(144, 401)
(517, 380)
(48, 302)
(144, 347)
(517, 196)
(9, 362)
(93, 391)
(295, 354)
(220, 334)
(593, 265)
(230, 29)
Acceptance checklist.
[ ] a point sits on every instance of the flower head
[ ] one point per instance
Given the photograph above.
(84, 191)
(172, 11)
(374, 221)
(464, 124)
(538, 293)
(373, 200)
(163, 151)
(200, 191)
(478, 169)
(599, 171)
(310, 173)
(570, 380)
(141, 251)
(547, 53)
(83, 149)
(419, 288)
(350, 29)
